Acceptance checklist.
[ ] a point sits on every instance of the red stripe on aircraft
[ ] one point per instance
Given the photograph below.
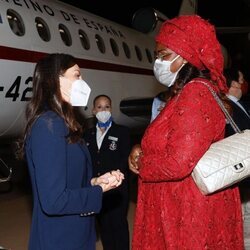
(22, 55)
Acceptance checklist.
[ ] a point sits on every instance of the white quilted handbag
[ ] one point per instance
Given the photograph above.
(226, 162)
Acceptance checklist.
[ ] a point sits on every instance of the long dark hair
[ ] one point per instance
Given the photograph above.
(47, 96)
(188, 73)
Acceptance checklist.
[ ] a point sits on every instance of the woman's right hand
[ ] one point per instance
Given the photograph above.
(133, 158)
(109, 180)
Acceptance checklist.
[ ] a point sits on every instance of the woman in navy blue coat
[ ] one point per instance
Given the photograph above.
(65, 196)
(109, 147)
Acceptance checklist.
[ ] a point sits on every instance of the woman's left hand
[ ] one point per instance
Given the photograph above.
(109, 180)
(133, 158)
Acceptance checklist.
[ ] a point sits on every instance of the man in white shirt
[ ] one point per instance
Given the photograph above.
(159, 103)
(237, 87)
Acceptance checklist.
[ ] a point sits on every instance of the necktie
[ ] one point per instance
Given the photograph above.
(241, 102)
(243, 107)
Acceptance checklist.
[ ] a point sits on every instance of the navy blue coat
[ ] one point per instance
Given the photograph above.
(64, 202)
(240, 118)
(114, 150)
(112, 155)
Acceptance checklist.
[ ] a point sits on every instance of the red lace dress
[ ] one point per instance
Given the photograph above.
(171, 212)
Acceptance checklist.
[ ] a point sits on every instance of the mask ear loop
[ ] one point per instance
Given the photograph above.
(64, 88)
(180, 66)
(175, 58)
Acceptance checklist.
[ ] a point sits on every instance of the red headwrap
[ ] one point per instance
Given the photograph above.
(195, 40)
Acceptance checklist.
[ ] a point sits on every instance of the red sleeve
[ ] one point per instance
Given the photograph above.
(197, 121)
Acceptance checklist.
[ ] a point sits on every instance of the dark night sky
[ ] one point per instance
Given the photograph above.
(224, 13)
(219, 12)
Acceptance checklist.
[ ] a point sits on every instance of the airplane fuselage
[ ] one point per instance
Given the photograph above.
(114, 59)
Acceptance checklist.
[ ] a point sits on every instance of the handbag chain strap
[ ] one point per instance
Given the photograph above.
(228, 116)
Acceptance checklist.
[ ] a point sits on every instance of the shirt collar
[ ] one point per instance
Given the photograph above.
(232, 98)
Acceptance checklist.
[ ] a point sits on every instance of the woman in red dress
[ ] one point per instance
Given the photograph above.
(171, 212)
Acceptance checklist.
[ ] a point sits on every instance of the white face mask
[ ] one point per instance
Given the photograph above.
(163, 73)
(103, 116)
(80, 92)
(76, 93)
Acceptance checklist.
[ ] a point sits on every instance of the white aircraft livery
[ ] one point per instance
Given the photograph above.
(114, 59)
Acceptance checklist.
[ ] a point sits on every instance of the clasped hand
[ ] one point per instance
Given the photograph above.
(109, 180)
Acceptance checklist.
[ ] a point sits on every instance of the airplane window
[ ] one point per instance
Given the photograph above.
(65, 35)
(100, 43)
(42, 29)
(84, 40)
(126, 50)
(138, 53)
(149, 56)
(15, 22)
(114, 47)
